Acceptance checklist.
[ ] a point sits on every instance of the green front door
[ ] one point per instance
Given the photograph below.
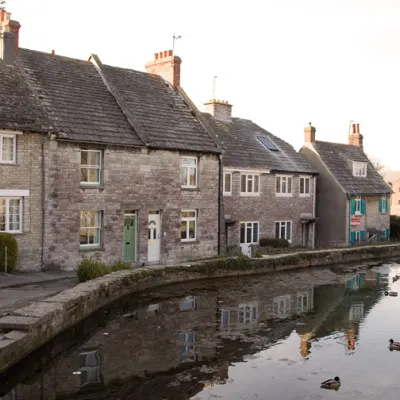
(130, 238)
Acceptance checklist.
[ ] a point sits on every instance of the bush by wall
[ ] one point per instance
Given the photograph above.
(273, 242)
(91, 268)
(9, 241)
(394, 227)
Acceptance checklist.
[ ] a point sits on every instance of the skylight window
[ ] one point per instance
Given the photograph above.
(267, 143)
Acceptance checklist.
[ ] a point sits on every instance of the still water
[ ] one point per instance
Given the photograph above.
(270, 337)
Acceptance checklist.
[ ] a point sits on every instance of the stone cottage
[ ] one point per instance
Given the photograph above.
(352, 198)
(102, 161)
(268, 188)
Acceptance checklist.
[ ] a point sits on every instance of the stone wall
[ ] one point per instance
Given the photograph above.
(138, 180)
(268, 208)
(395, 199)
(27, 174)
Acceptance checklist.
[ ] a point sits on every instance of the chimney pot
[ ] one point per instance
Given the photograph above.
(355, 137)
(168, 67)
(219, 109)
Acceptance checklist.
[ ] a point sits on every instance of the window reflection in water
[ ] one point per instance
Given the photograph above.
(188, 303)
(89, 367)
(187, 346)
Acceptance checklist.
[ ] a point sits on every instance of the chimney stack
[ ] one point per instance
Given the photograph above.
(355, 137)
(9, 37)
(309, 133)
(219, 109)
(167, 65)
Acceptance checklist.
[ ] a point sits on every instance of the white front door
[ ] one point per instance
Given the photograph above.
(154, 236)
(248, 236)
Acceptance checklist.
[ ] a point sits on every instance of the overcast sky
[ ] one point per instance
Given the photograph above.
(281, 63)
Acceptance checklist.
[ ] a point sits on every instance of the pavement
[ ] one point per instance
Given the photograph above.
(22, 288)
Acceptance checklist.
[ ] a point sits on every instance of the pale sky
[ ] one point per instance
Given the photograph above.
(281, 63)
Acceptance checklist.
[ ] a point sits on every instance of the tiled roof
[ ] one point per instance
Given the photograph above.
(339, 157)
(242, 149)
(164, 117)
(76, 99)
(19, 108)
(97, 103)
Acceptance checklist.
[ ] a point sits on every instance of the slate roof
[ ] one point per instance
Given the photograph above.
(242, 149)
(339, 157)
(109, 105)
(19, 108)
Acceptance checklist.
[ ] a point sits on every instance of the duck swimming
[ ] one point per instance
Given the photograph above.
(390, 293)
(394, 345)
(331, 384)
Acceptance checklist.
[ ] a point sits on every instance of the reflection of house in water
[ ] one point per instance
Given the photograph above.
(341, 308)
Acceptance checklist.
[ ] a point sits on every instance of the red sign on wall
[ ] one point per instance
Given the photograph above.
(355, 221)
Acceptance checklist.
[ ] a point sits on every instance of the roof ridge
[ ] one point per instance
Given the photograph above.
(126, 110)
(54, 55)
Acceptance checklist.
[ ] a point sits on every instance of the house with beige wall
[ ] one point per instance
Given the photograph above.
(102, 161)
(392, 178)
(352, 198)
(268, 187)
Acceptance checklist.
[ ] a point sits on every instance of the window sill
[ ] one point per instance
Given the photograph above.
(284, 194)
(227, 194)
(89, 249)
(87, 186)
(8, 163)
(190, 189)
(249, 194)
(305, 195)
(187, 242)
(358, 213)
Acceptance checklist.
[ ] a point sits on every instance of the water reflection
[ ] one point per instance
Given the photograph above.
(181, 341)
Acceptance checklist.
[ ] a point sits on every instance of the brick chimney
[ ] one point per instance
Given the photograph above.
(9, 37)
(355, 137)
(219, 109)
(167, 65)
(309, 133)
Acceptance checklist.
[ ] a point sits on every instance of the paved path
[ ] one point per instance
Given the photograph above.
(21, 289)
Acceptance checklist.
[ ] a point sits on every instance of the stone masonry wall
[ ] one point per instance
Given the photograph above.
(134, 180)
(268, 208)
(395, 199)
(27, 174)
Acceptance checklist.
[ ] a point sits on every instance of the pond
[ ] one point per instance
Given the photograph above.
(275, 336)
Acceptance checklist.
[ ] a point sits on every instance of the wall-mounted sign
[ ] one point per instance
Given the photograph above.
(355, 221)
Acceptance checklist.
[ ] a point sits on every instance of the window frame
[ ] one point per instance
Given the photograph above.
(357, 201)
(286, 230)
(14, 155)
(251, 223)
(89, 167)
(305, 179)
(280, 192)
(250, 176)
(188, 168)
(384, 202)
(99, 216)
(225, 192)
(188, 220)
(359, 169)
(7, 214)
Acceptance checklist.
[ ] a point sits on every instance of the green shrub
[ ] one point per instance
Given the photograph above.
(93, 267)
(9, 241)
(258, 254)
(273, 242)
(120, 265)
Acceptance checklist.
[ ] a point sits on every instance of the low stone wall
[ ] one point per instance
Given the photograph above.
(28, 328)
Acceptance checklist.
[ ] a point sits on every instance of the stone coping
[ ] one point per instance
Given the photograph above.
(28, 328)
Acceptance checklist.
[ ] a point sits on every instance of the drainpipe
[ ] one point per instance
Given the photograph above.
(314, 210)
(220, 202)
(43, 200)
(349, 219)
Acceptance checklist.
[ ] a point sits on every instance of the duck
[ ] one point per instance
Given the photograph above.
(390, 293)
(331, 384)
(394, 345)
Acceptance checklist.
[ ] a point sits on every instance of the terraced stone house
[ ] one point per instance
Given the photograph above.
(268, 187)
(352, 198)
(392, 178)
(100, 160)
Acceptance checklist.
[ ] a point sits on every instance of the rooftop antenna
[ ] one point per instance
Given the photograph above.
(173, 42)
(213, 93)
